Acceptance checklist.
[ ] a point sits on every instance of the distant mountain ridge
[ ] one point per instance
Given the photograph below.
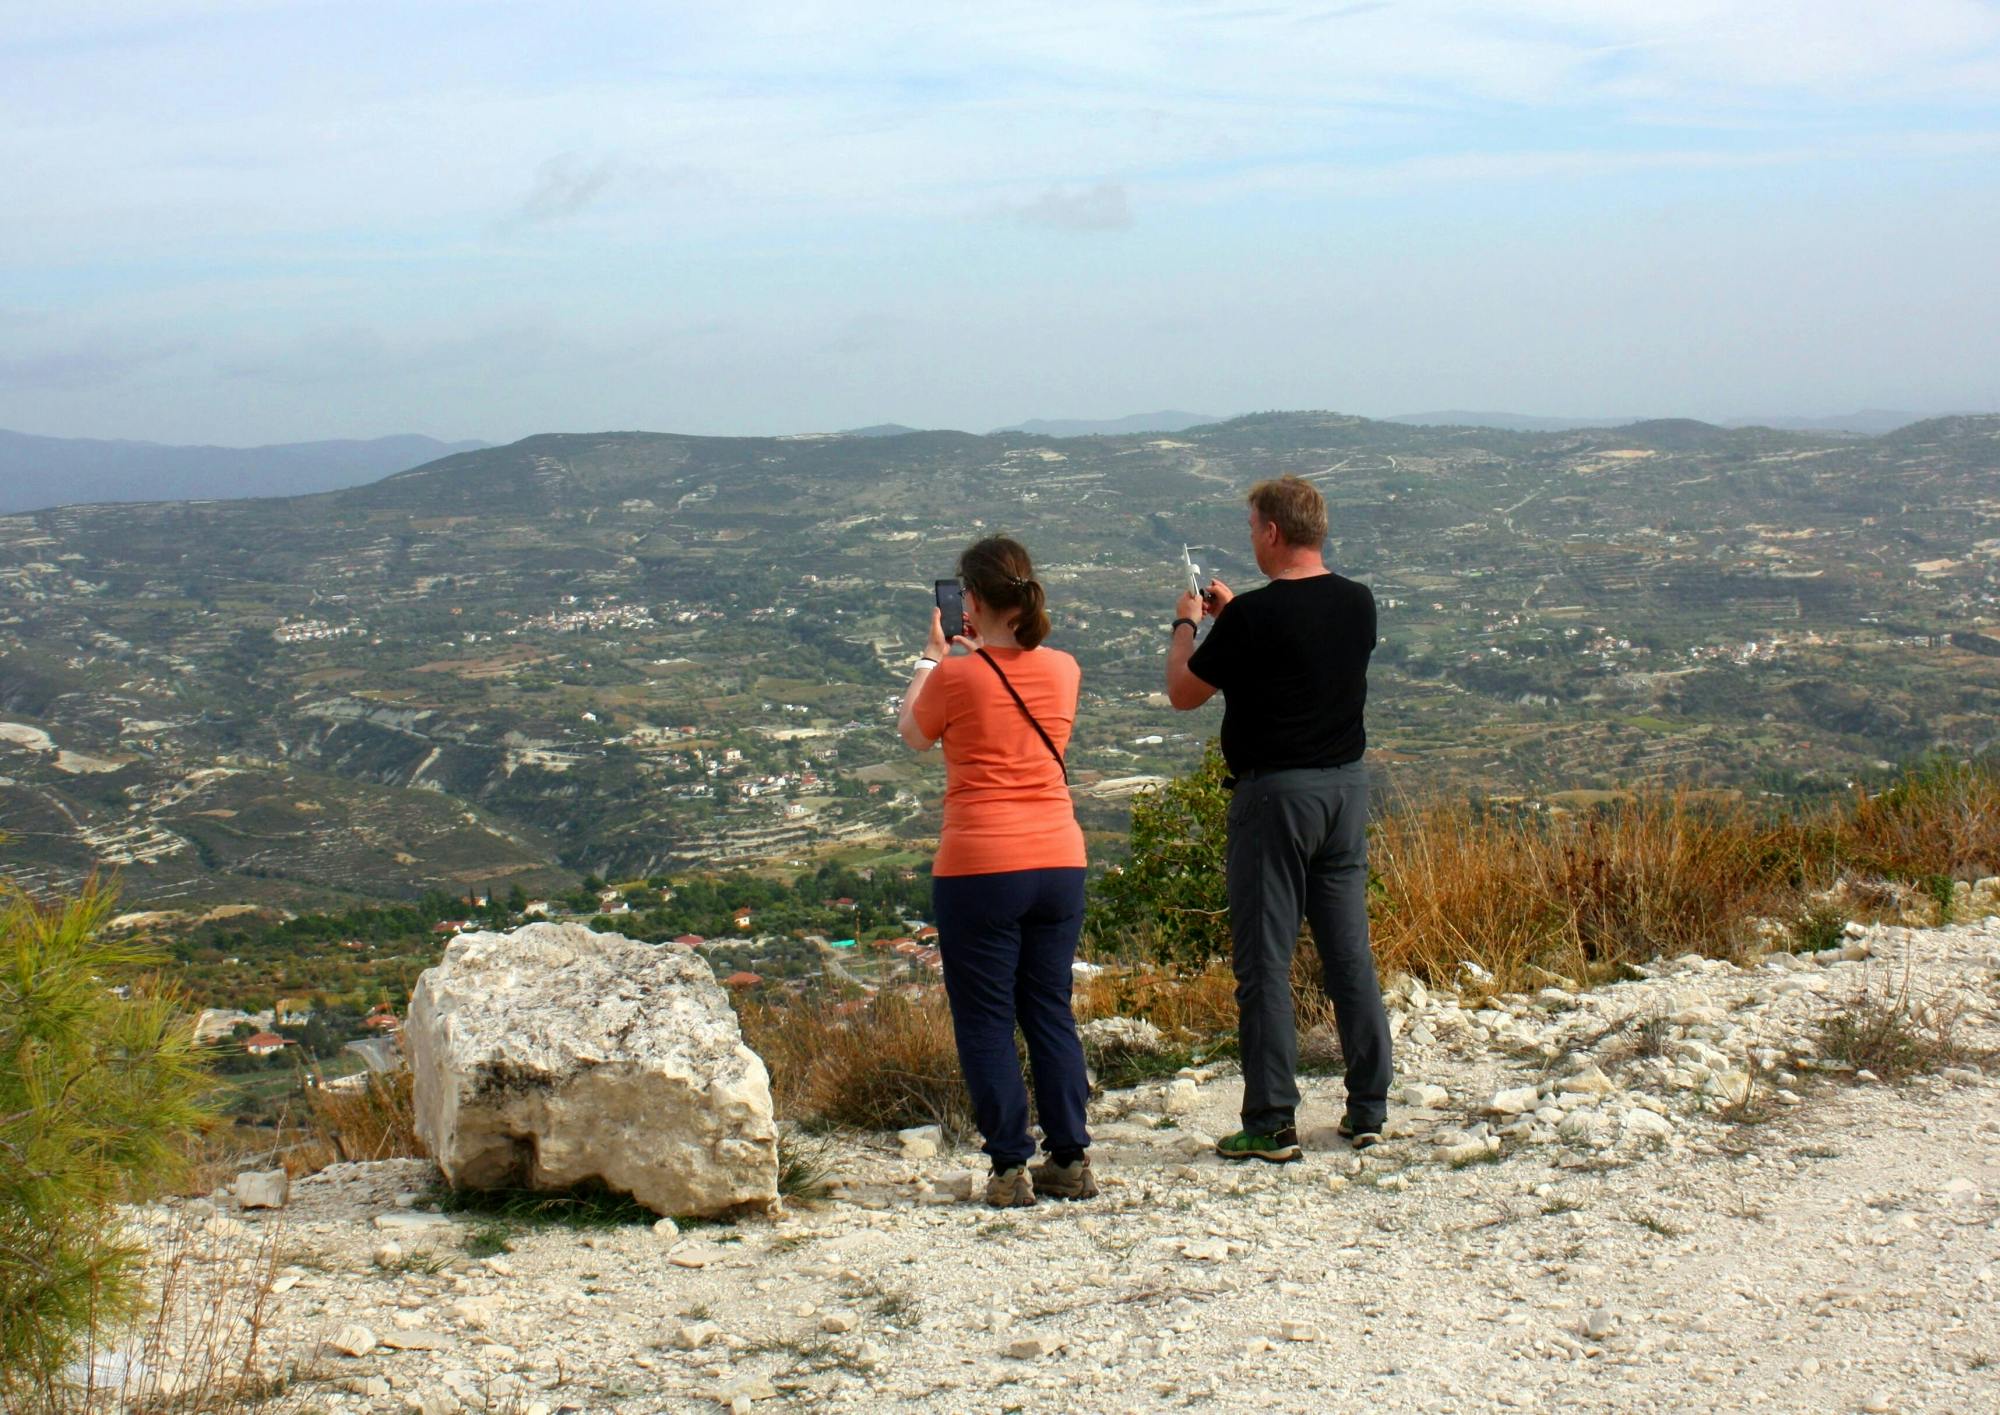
(1868, 422)
(37, 472)
(1166, 420)
(1505, 422)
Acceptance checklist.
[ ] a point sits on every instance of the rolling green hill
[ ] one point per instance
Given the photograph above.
(624, 652)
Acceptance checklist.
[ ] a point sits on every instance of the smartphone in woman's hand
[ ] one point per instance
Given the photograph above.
(951, 606)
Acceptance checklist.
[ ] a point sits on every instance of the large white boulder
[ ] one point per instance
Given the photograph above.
(552, 1055)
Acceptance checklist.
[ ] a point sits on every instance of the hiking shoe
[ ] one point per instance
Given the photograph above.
(1010, 1188)
(1281, 1148)
(1064, 1181)
(1360, 1136)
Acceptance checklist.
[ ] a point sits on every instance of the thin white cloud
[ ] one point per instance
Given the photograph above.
(563, 186)
(1102, 206)
(821, 110)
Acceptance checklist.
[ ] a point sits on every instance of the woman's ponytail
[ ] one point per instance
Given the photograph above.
(997, 570)
(1033, 625)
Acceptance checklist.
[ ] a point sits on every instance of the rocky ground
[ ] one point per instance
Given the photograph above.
(1656, 1196)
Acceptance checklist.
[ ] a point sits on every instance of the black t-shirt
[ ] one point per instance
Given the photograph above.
(1291, 660)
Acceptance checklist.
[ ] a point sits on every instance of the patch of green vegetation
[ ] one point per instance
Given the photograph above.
(486, 1240)
(584, 1206)
(1819, 927)
(1943, 892)
(804, 1165)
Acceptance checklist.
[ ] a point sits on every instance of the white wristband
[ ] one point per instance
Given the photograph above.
(925, 661)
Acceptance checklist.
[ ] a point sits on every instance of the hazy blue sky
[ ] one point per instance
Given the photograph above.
(244, 221)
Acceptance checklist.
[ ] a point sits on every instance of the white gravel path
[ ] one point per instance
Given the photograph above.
(1643, 1249)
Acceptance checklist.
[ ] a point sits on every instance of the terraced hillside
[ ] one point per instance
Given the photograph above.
(634, 651)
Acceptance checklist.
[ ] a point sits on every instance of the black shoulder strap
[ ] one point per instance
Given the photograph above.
(1015, 695)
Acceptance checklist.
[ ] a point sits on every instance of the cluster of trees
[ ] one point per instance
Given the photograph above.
(707, 905)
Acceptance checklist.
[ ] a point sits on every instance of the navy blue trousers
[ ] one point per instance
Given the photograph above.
(1008, 941)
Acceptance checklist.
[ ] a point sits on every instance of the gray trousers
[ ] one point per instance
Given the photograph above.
(1298, 850)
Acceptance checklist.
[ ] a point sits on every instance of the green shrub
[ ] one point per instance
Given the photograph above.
(1819, 927)
(99, 1091)
(1943, 891)
(1169, 899)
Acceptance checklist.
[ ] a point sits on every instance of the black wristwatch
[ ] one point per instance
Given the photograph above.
(1194, 627)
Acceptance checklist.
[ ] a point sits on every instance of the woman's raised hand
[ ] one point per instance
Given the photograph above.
(937, 646)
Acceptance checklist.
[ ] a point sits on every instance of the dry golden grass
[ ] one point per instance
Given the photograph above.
(1576, 896)
(1186, 1005)
(1940, 820)
(320, 1128)
(885, 1066)
(377, 1122)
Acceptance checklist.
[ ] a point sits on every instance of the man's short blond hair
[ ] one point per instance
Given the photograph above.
(1294, 506)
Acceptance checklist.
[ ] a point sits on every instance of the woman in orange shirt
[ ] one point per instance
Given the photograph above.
(1007, 885)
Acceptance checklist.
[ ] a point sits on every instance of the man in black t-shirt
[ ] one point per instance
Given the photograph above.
(1291, 661)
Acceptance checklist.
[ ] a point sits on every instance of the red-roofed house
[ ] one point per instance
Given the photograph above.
(741, 981)
(926, 933)
(691, 940)
(264, 1043)
(742, 917)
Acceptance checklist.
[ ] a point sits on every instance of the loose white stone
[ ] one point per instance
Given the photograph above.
(353, 1340)
(837, 1322)
(263, 1188)
(696, 1335)
(1032, 1348)
(1514, 1100)
(401, 1220)
(1589, 1081)
(1298, 1331)
(476, 1312)
(1646, 1125)
(1422, 1094)
(921, 1142)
